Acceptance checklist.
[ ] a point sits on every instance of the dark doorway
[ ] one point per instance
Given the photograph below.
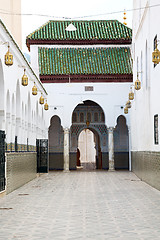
(121, 144)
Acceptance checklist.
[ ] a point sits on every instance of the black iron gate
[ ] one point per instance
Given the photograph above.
(2, 160)
(42, 155)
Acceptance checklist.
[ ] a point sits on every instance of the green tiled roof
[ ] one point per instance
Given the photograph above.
(86, 30)
(59, 61)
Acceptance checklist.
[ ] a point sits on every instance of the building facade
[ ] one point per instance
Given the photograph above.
(145, 109)
(87, 74)
(22, 118)
(11, 16)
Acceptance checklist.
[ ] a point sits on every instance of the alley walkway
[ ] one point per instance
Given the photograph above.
(82, 205)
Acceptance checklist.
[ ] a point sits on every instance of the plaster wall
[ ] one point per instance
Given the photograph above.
(10, 15)
(146, 104)
(64, 97)
(21, 114)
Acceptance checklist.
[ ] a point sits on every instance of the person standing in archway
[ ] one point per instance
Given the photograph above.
(78, 158)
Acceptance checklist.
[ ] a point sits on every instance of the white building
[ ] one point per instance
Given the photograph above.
(145, 110)
(10, 14)
(93, 65)
(22, 118)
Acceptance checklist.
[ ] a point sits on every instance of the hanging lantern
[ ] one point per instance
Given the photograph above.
(8, 58)
(156, 56)
(137, 85)
(24, 79)
(87, 123)
(131, 95)
(41, 100)
(125, 110)
(124, 18)
(34, 90)
(128, 104)
(46, 107)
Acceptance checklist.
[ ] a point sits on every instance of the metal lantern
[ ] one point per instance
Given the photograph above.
(24, 79)
(125, 110)
(34, 90)
(124, 18)
(46, 107)
(8, 58)
(128, 104)
(131, 95)
(87, 123)
(41, 100)
(156, 56)
(137, 85)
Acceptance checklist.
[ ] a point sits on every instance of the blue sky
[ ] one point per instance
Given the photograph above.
(62, 9)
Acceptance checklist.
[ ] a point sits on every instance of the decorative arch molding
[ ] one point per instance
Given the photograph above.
(87, 102)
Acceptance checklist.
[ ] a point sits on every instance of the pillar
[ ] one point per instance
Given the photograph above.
(130, 161)
(66, 150)
(111, 149)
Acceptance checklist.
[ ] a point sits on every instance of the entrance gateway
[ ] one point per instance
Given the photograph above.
(91, 63)
(88, 115)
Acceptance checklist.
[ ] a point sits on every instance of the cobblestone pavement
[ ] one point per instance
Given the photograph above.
(82, 205)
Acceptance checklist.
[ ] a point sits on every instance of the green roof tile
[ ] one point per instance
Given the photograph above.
(86, 30)
(59, 61)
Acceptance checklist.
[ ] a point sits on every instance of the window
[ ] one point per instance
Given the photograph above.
(154, 47)
(89, 117)
(102, 117)
(96, 117)
(74, 117)
(156, 129)
(81, 117)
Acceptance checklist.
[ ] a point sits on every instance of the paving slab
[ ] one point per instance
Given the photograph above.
(82, 205)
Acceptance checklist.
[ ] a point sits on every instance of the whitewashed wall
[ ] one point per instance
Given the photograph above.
(146, 103)
(66, 96)
(21, 114)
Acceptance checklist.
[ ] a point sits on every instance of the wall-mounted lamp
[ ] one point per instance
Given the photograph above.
(34, 90)
(128, 104)
(131, 94)
(156, 54)
(8, 57)
(137, 84)
(41, 100)
(124, 17)
(24, 78)
(46, 107)
(125, 110)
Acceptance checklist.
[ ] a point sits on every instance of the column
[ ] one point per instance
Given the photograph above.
(130, 160)
(111, 149)
(66, 150)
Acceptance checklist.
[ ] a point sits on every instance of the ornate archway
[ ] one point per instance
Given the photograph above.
(89, 115)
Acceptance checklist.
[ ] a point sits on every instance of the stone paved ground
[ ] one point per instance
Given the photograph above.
(82, 205)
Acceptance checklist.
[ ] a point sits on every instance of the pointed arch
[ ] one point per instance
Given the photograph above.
(121, 144)
(56, 142)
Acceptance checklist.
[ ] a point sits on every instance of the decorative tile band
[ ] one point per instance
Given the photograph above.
(10, 147)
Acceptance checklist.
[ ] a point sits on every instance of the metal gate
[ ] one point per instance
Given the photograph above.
(42, 155)
(2, 160)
